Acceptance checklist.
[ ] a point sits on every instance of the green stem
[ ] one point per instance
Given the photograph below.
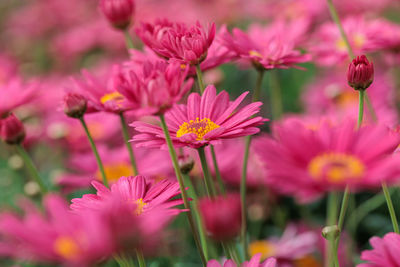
(217, 172)
(96, 153)
(391, 208)
(179, 177)
(330, 259)
(234, 253)
(276, 96)
(140, 258)
(200, 78)
(206, 172)
(257, 88)
(32, 169)
(360, 107)
(125, 134)
(128, 40)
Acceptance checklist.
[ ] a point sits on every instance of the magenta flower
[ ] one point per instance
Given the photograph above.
(60, 237)
(12, 131)
(360, 73)
(203, 120)
(153, 89)
(306, 161)
(173, 40)
(268, 47)
(118, 12)
(385, 252)
(74, 105)
(254, 262)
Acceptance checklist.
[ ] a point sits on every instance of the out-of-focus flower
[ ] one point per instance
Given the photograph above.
(118, 12)
(384, 252)
(203, 120)
(221, 216)
(60, 237)
(306, 162)
(270, 47)
(153, 89)
(12, 131)
(360, 73)
(254, 262)
(173, 40)
(74, 105)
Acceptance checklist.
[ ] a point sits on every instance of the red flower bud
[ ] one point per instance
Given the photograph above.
(118, 12)
(360, 73)
(12, 131)
(74, 105)
(222, 216)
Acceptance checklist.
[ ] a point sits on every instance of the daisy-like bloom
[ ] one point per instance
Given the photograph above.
(254, 262)
(305, 162)
(270, 47)
(60, 237)
(153, 89)
(385, 252)
(174, 40)
(203, 120)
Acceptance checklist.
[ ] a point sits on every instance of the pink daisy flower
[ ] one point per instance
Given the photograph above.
(203, 120)
(254, 262)
(270, 47)
(385, 252)
(59, 237)
(306, 161)
(174, 40)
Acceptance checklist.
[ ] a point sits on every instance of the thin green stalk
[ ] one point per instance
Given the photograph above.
(360, 107)
(32, 168)
(128, 40)
(234, 253)
(125, 134)
(391, 208)
(95, 152)
(200, 78)
(331, 220)
(206, 172)
(217, 172)
(276, 96)
(140, 258)
(179, 177)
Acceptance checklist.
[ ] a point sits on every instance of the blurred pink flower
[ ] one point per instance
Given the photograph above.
(384, 252)
(118, 12)
(12, 131)
(204, 120)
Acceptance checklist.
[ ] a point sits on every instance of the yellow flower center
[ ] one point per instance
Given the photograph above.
(66, 247)
(336, 167)
(114, 96)
(115, 170)
(255, 53)
(140, 205)
(267, 249)
(197, 127)
(307, 261)
(346, 98)
(358, 42)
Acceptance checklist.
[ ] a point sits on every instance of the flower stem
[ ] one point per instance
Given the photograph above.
(95, 152)
(125, 133)
(391, 208)
(179, 177)
(217, 172)
(200, 78)
(360, 107)
(128, 40)
(330, 258)
(211, 192)
(32, 169)
(276, 96)
(140, 258)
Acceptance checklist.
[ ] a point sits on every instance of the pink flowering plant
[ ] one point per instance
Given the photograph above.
(241, 133)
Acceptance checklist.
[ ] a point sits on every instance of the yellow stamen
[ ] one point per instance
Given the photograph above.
(255, 53)
(336, 167)
(114, 96)
(198, 127)
(140, 205)
(115, 170)
(66, 247)
(267, 249)
(359, 40)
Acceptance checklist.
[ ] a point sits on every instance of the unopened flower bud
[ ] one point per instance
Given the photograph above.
(360, 73)
(186, 163)
(118, 12)
(329, 232)
(74, 105)
(12, 131)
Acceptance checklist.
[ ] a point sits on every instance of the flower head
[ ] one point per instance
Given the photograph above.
(360, 73)
(118, 12)
(12, 131)
(174, 40)
(74, 105)
(384, 252)
(203, 120)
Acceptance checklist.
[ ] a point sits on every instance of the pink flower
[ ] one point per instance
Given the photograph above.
(74, 105)
(153, 89)
(12, 131)
(360, 73)
(385, 252)
(270, 47)
(254, 262)
(118, 12)
(59, 237)
(306, 162)
(177, 41)
(203, 120)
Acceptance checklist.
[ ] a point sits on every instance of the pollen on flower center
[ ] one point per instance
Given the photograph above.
(267, 249)
(336, 167)
(66, 247)
(197, 127)
(115, 171)
(140, 205)
(114, 96)
(255, 53)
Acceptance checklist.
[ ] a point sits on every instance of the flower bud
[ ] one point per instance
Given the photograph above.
(74, 105)
(360, 73)
(12, 131)
(186, 163)
(118, 12)
(222, 216)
